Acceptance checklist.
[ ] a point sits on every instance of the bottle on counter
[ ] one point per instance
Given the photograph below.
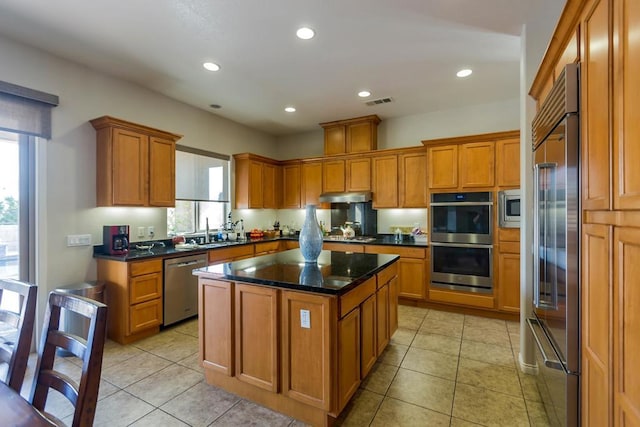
(398, 235)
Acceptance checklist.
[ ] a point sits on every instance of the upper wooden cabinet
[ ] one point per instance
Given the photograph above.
(135, 164)
(385, 181)
(333, 176)
(469, 162)
(412, 185)
(351, 136)
(291, 185)
(358, 176)
(508, 170)
(258, 182)
(311, 183)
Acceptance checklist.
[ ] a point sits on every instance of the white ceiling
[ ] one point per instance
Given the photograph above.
(405, 49)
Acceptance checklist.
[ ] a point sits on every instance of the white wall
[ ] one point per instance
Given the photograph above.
(409, 131)
(66, 163)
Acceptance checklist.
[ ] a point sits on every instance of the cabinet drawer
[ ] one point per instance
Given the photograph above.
(228, 254)
(145, 315)
(343, 247)
(387, 274)
(353, 298)
(462, 298)
(145, 287)
(267, 247)
(510, 247)
(403, 251)
(145, 267)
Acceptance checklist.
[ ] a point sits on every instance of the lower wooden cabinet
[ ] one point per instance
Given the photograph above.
(134, 297)
(368, 323)
(215, 327)
(348, 356)
(412, 269)
(508, 278)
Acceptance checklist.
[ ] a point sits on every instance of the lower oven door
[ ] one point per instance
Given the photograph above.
(463, 267)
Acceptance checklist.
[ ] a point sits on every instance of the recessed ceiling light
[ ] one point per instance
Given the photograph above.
(364, 93)
(211, 66)
(215, 106)
(290, 109)
(305, 33)
(464, 72)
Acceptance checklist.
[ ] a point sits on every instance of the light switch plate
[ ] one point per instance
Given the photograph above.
(79, 240)
(305, 319)
(140, 231)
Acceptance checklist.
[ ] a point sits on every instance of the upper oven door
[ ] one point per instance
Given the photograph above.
(466, 221)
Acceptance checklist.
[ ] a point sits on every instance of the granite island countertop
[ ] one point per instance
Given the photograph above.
(335, 273)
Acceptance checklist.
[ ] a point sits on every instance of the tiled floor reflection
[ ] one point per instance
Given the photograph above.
(440, 369)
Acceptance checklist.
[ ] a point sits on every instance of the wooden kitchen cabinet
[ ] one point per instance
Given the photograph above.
(412, 185)
(507, 166)
(135, 164)
(134, 297)
(358, 174)
(291, 186)
(342, 247)
(333, 176)
(509, 276)
(258, 182)
(311, 183)
(368, 344)
(231, 253)
(385, 181)
(476, 164)
(215, 325)
(348, 356)
(351, 136)
(443, 167)
(264, 248)
(412, 269)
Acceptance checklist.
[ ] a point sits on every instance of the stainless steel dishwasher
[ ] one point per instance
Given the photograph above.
(181, 287)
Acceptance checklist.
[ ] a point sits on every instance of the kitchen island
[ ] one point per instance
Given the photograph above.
(296, 337)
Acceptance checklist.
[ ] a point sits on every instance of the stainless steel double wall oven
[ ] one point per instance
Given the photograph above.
(461, 241)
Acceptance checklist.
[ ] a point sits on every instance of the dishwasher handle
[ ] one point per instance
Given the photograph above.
(187, 263)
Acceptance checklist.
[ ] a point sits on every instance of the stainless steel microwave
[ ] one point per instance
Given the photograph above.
(509, 208)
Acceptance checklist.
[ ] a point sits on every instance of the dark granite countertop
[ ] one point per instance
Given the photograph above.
(335, 273)
(170, 251)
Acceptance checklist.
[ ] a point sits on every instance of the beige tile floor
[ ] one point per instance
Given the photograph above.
(440, 369)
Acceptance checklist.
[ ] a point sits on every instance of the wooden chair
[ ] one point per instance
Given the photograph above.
(83, 395)
(16, 330)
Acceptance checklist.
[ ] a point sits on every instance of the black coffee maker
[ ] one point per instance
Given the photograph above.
(115, 239)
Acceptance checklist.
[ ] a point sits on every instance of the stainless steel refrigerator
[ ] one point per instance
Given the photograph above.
(556, 290)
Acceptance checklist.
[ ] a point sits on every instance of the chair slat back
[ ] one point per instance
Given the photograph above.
(17, 330)
(82, 395)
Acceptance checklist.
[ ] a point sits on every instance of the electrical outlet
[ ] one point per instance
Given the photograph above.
(140, 231)
(151, 230)
(305, 319)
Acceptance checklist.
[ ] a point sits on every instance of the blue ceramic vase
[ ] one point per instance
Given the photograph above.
(310, 236)
(311, 275)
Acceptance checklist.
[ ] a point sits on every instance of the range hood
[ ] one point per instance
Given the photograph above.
(350, 197)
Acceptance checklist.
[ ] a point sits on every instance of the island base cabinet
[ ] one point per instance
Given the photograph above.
(307, 322)
(348, 357)
(216, 326)
(256, 336)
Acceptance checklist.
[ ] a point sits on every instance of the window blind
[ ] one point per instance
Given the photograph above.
(201, 175)
(26, 111)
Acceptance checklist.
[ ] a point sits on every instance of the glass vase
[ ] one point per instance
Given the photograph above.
(310, 236)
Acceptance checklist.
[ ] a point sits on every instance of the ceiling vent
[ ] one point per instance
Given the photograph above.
(379, 101)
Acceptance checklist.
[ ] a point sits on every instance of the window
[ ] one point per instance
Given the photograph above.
(202, 191)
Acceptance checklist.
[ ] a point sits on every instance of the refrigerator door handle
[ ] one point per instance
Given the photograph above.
(549, 362)
(538, 302)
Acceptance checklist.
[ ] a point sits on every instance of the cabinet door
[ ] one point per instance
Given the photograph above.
(368, 347)
(442, 167)
(145, 315)
(256, 200)
(595, 105)
(348, 357)
(477, 164)
(130, 168)
(145, 287)
(215, 324)
(411, 277)
(256, 336)
(382, 318)
(311, 183)
(509, 281)
(626, 318)
(359, 174)
(627, 95)
(597, 340)
(333, 176)
(291, 186)
(270, 186)
(385, 181)
(393, 305)
(413, 180)
(162, 172)
(306, 348)
(508, 162)
(361, 137)
(335, 140)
